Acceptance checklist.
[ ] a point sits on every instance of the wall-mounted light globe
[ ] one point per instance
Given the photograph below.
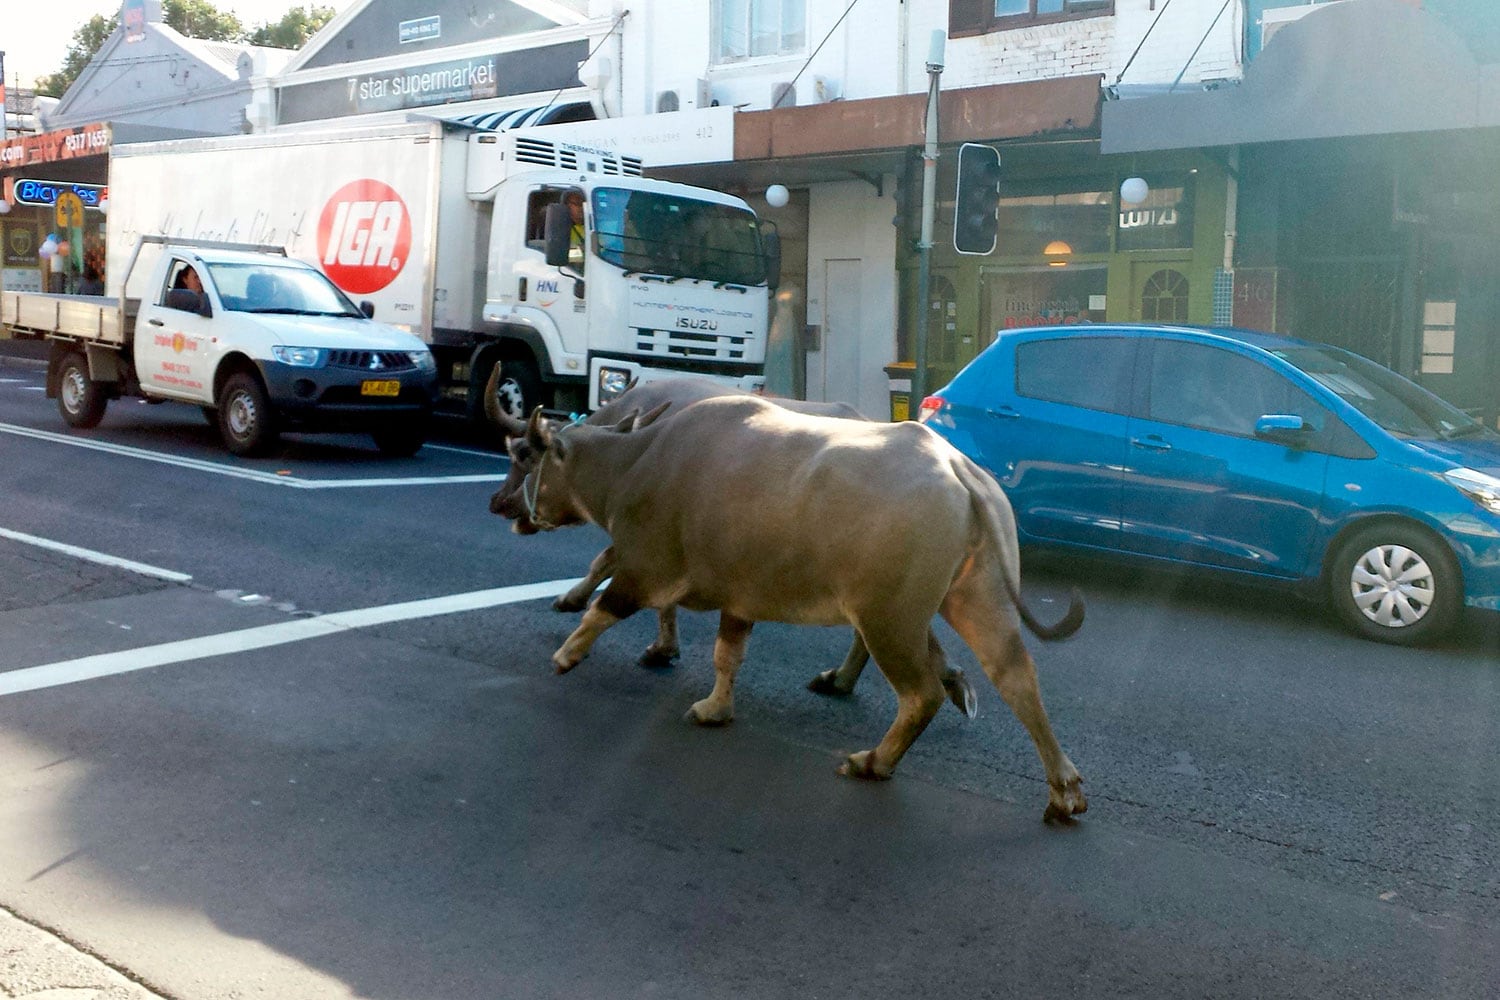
(4, 207)
(777, 195)
(104, 206)
(1134, 190)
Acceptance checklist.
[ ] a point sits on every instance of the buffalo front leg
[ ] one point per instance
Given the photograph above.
(612, 606)
(664, 650)
(919, 695)
(729, 652)
(578, 598)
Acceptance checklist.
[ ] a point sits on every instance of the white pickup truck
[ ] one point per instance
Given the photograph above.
(264, 343)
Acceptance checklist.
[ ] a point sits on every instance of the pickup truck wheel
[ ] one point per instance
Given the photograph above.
(80, 399)
(401, 443)
(245, 420)
(518, 390)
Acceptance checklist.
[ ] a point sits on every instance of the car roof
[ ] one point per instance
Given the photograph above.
(217, 256)
(1253, 338)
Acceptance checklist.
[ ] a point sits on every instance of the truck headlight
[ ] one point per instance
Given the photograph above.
(423, 360)
(612, 383)
(298, 357)
(1477, 486)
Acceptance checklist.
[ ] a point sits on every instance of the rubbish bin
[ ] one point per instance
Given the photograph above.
(899, 376)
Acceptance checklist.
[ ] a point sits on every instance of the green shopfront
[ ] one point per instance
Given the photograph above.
(1068, 249)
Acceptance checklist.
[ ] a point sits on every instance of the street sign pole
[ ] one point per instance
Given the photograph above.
(924, 245)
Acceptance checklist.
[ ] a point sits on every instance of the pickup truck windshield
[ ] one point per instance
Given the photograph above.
(274, 289)
(678, 237)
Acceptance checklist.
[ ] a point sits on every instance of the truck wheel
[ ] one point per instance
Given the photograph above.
(518, 390)
(245, 420)
(80, 399)
(1395, 583)
(400, 442)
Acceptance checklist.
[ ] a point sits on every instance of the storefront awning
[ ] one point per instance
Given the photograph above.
(548, 114)
(1361, 68)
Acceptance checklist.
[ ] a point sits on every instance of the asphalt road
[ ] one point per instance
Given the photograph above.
(411, 805)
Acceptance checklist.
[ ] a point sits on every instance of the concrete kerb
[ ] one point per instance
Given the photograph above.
(36, 963)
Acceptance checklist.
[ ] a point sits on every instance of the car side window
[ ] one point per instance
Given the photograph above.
(1199, 385)
(1091, 372)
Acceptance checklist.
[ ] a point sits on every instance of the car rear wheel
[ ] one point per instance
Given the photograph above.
(1396, 583)
(80, 399)
(246, 422)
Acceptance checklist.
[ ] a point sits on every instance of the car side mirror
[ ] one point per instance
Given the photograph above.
(559, 225)
(368, 308)
(1283, 428)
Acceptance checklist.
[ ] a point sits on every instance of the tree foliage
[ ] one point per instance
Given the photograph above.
(193, 19)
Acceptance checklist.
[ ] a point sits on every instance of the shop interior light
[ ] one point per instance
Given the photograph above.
(1057, 253)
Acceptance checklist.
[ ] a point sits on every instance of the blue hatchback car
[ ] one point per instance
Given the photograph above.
(1239, 451)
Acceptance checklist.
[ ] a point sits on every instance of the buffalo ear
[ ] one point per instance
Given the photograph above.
(538, 431)
(651, 417)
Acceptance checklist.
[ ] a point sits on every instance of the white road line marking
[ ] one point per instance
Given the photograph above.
(243, 640)
(254, 475)
(497, 456)
(98, 557)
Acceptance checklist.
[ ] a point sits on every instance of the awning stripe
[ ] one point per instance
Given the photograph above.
(495, 121)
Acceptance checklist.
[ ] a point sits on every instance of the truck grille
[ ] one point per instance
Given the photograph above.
(371, 361)
(682, 344)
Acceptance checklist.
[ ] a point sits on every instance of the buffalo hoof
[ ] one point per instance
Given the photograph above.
(657, 659)
(562, 665)
(827, 683)
(1064, 804)
(862, 765)
(562, 603)
(705, 714)
(961, 693)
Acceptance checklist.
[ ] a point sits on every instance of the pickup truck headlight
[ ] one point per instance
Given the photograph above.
(298, 357)
(423, 360)
(1477, 486)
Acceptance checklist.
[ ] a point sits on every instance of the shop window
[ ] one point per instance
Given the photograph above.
(751, 29)
(1041, 296)
(1164, 299)
(974, 17)
(1029, 222)
(1164, 221)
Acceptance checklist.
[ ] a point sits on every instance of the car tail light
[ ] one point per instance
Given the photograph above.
(930, 405)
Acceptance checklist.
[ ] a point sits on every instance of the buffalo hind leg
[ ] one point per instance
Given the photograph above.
(918, 697)
(841, 681)
(1013, 672)
(664, 650)
(729, 652)
(611, 607)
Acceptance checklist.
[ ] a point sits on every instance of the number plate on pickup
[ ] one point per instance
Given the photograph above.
(380, 387)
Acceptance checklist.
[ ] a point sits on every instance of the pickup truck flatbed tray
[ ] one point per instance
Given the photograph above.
(91, 317)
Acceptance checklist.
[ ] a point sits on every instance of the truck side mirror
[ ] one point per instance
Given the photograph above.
(187, 300)
(367, 307)
(770, 241)
(555, 239)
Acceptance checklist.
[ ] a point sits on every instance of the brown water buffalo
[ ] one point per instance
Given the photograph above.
(762, 514)
(678, 394)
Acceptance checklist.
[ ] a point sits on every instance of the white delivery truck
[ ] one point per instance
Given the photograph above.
(446, 230)
(261, 342)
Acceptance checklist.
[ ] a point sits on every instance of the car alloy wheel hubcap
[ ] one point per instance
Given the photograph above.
(1392, 586)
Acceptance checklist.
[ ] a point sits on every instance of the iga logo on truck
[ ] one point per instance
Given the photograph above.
(364, 236)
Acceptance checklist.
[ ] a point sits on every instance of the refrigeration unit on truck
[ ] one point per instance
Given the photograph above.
(462, 237)
(260, 342)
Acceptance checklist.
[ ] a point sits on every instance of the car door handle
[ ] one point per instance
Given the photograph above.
(1007, 412)
(155, 322)
(1152, 443)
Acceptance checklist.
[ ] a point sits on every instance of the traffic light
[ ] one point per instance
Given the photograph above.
(978, 194)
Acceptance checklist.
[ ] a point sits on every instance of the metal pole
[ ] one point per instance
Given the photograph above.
(924, 245)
